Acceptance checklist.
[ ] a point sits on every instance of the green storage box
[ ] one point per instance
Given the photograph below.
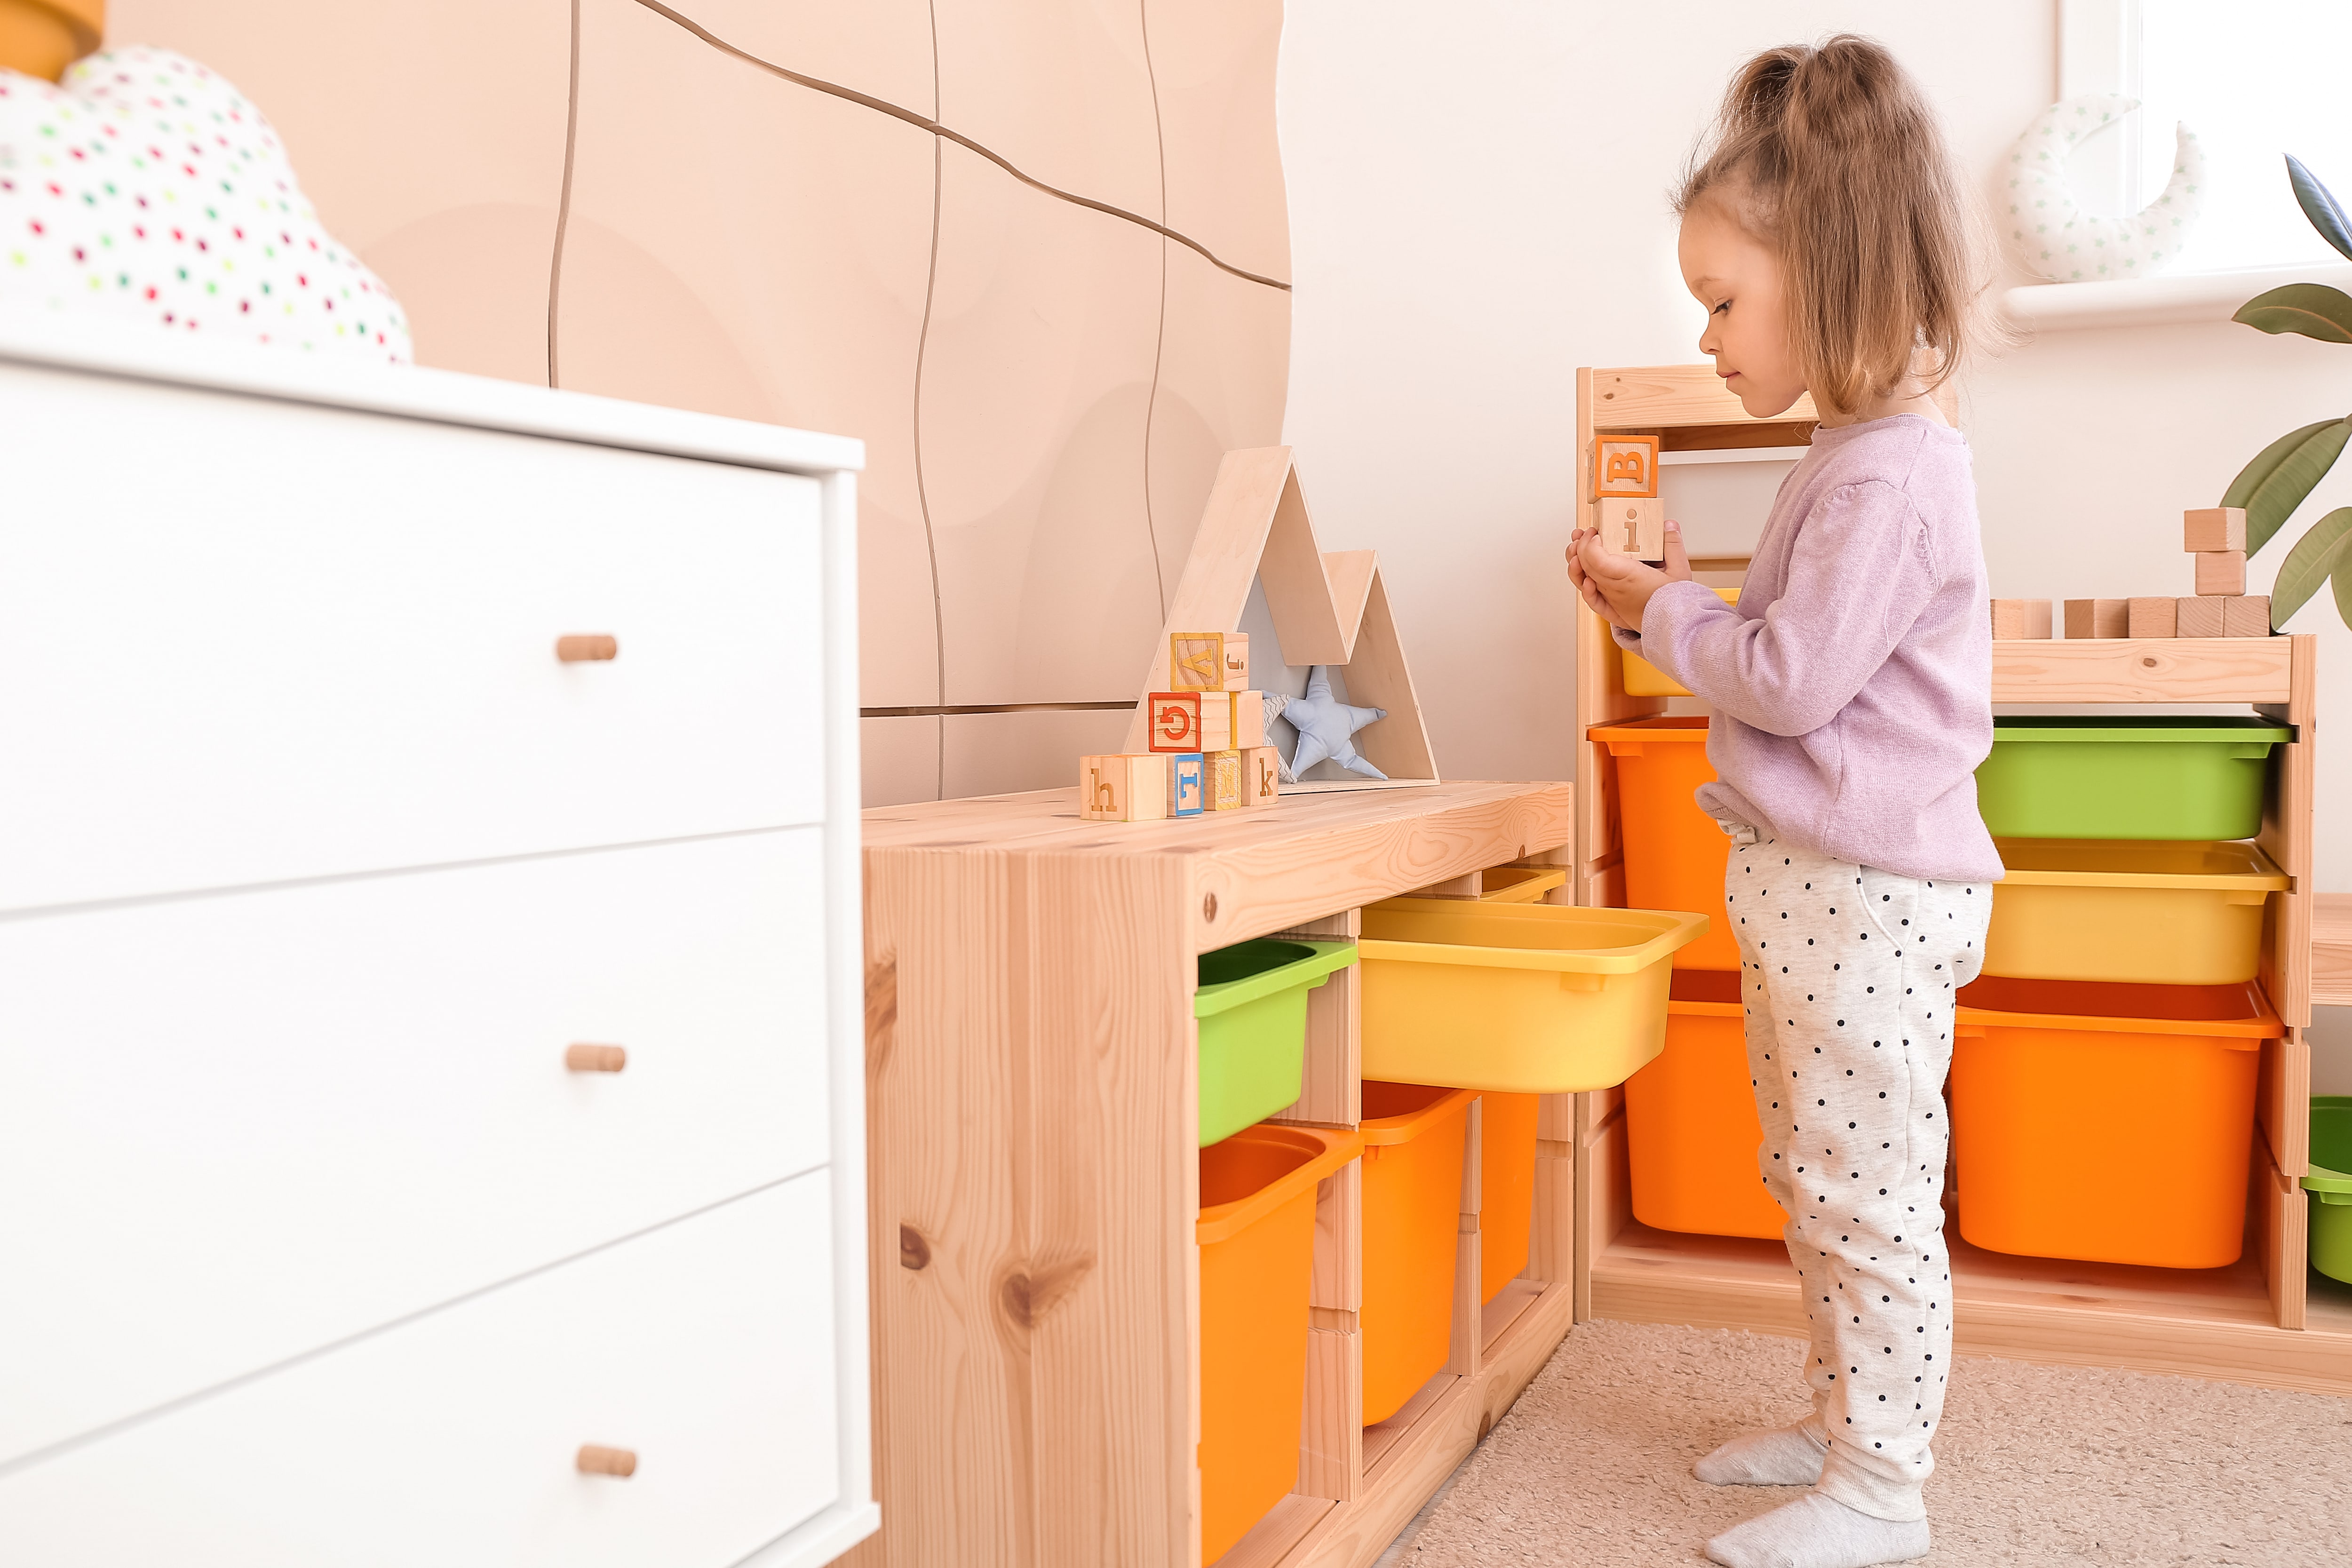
(2088, 777)
(1252, 1004)
(2330, 1183)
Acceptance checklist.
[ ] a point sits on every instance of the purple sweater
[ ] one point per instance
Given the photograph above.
(1853, 683)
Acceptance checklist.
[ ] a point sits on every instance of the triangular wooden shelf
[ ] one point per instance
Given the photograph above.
(1327, 609)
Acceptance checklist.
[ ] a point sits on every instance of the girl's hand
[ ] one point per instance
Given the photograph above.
(1618, 587)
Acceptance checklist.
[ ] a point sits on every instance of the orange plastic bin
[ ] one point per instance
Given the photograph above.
(2105, 1122)
(1675, 854)
(1690, 1133)
(1413, 1137)
(1506, 1187)
(1256, 1232)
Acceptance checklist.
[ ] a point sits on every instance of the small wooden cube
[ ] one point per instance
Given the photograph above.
(2213, 527)
(1187, 784)
(2152, 618)
(1175, 723)
(1236, 661)
(1624, 466)
(2221, 570)
(1632, 525)
(2200, 617)
(1131, 787)
(1261, 777)
(2020, 618)
(1223, 785)
(1196, 661)
(1217, 720)
(1248, 720)
(2098, 618)
(2246, 615)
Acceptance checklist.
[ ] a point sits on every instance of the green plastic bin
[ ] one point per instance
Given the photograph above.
(1252, 1004)
(2086, 777)
(2330, 1183)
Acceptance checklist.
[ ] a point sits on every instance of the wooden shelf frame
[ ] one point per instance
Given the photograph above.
(2249, 1323)
(1033, 1108)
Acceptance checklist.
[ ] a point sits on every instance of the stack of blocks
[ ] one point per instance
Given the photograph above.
(1626, 510)
(1207, 735)
(2216, 537)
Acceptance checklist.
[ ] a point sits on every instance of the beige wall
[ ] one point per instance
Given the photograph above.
(1044, 387)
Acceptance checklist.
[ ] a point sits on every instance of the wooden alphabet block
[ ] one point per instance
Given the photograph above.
(1176, 720)
(2199, 617)
(1248, 720)
(2020, 618)
(1624, 466)
(1223, 787)
(1132, 788)
(2213, 527)
(2098, 618)
(1217, 720)
(2153, 617)
(1187, 786)
(2221, 570)
(1236, 661)
(1633, 525)
(1196, 661)
(1261, 777)
(2246, 615)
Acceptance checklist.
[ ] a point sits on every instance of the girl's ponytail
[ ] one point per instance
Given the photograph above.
(1833, 156)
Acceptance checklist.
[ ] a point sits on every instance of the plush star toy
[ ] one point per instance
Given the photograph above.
(1325, 727)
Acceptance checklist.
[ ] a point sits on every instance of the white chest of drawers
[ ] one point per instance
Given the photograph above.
(322, 1242)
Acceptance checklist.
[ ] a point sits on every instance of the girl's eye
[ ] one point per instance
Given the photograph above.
(1720, 307)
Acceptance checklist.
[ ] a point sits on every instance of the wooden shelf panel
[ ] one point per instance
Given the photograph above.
(2144, 669)
(2331, 950)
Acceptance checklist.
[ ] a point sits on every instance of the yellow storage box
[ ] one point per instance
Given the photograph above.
(1518, 998)
(1643, 678)
(1521, 884)
(2132, 911)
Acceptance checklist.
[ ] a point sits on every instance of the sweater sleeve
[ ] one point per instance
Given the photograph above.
(1859, 576)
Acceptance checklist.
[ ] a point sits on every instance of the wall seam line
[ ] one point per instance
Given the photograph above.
(563, 202)
(1160, 336)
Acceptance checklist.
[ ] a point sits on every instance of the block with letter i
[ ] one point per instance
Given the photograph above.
(1187, 784)
(1261, 777)
(1196, 661)
(1130, 788)
(1632, 525)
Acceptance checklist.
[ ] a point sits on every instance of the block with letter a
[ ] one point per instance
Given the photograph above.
(1196, 661)
(1175, 721)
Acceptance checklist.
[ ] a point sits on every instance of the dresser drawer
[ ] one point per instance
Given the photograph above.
(240, 1126)
(285, 641)
(705, 1349)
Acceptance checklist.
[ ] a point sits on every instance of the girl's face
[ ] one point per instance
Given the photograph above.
(1738, 278)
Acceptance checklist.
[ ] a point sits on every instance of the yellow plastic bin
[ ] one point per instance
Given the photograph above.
(1675, 854)
(1412, 1137)
(2107, 1123)
(1643, 678)
(1520, 998)
(1690, 1133)
(1256, 1233)
(1506, 1187)
(1519, 884)
(2129, 911)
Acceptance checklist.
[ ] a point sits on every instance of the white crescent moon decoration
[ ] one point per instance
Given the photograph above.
(2057, 240)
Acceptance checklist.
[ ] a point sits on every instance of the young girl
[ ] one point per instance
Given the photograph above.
(1824, 232)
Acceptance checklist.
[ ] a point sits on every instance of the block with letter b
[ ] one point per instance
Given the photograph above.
(1187, 784)
(1261, 777)
(1196, 661)
(1130, 788)
(1624, 466)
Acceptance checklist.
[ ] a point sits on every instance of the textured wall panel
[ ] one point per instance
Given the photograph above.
(430, 136)
(898, 760)
(1036, 379)
(880, 48)
(1000, 754)
(1213, 61)
(742, 245)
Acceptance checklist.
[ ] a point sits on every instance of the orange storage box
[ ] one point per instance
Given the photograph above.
(1690, 1133)
(2106, 1123)
(1506, 1187)
(1256, 1233)
(1675, 854)
(1413, 1135)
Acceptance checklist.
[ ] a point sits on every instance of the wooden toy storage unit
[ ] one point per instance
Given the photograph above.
(2249, 1321)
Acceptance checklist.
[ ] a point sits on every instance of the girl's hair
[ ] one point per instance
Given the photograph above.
(1833, 156)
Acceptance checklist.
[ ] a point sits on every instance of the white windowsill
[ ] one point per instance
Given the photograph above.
(2156, 301)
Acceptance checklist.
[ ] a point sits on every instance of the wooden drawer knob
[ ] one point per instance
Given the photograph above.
(595, 1059)
(582, 648)
(597, 1460)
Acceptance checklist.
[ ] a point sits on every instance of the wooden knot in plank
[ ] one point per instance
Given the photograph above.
(914, 1252)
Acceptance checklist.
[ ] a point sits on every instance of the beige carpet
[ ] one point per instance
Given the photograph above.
(2035, 1464)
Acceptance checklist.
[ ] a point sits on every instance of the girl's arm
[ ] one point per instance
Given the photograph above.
(1857, 578)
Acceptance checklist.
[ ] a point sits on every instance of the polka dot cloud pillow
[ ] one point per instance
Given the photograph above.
(144, 186)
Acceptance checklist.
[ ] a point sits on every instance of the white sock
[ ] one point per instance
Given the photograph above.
(1784, 1457)
(1815, 1531)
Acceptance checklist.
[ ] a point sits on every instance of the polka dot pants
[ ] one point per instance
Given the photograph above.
(1848, 981)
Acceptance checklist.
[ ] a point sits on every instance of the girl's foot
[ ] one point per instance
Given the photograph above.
(1815, 1531)
(1784, 1457)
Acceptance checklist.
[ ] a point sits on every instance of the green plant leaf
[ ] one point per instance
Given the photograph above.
(2313, 309)
(2344, 584)
(2276, 483)
(2316, 555)
(2319, 206)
